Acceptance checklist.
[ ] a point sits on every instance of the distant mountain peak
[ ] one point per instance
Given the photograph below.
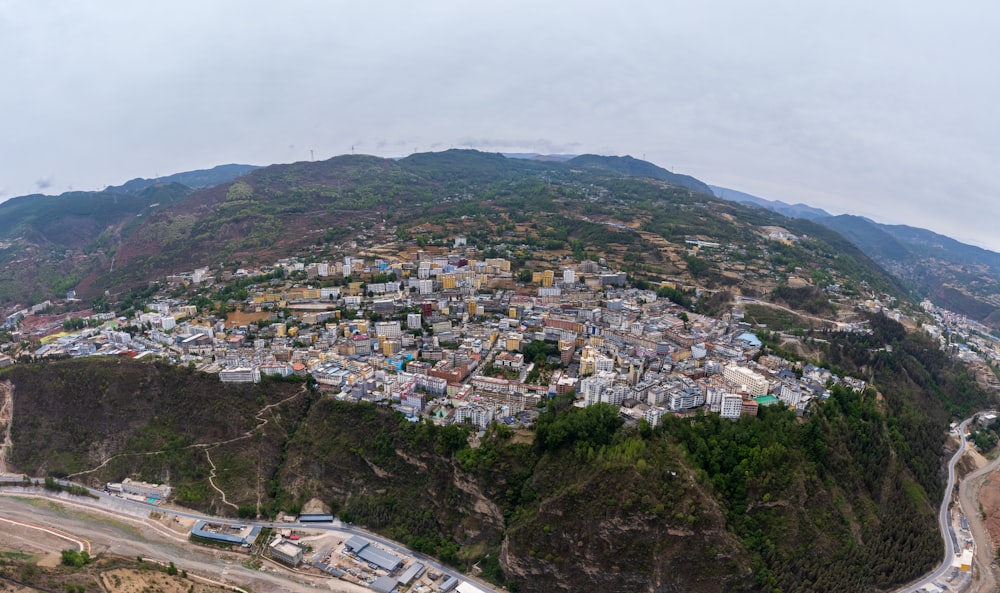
(199, 179)
(790, 210)
(929, 263)
(629, 165)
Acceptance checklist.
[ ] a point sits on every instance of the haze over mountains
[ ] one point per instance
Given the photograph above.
(956, 276)
(962, 278)
(702, 505)
(95, 241)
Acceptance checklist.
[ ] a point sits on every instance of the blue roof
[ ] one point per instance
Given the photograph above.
(749, 338)
(315, 518)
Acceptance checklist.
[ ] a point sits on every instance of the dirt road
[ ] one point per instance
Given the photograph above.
(969, 497)
(131, 537)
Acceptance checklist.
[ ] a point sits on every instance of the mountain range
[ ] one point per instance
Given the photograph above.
(86, 240)
(842, 498)
(97, 241)
(956, 276)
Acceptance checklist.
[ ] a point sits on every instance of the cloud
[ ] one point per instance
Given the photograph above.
(540, 145)
(872, 108)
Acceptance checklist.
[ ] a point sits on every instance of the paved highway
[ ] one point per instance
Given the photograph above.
(944, 523)
(133, 508)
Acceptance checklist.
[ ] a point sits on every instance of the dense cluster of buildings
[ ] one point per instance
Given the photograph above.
(444, 336)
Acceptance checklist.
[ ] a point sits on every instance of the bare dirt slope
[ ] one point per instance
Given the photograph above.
(989, 500)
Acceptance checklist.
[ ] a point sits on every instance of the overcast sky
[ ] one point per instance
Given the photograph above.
(885, 109)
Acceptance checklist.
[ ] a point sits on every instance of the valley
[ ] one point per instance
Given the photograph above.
(460, 352)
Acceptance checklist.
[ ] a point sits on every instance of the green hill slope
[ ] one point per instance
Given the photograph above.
(527, 208)
(842, 500)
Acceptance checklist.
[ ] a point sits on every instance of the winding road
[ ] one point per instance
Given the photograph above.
(944, 522)
(968, 490)
(137, 511)
(967, 500)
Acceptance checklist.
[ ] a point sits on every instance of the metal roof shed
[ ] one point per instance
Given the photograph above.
(414, 571)
(380, 558)
(384, 584)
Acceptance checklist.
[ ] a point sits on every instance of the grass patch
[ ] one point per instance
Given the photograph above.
(776, 319)
(42, 503)
(19, 556)
(52, 338)
(917, 497)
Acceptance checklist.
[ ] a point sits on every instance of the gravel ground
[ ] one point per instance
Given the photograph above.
(135, 536)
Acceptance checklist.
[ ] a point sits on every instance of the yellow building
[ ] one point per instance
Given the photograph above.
(512, 342)
(588, 364)
(548, 278)
(498, 262)
(267, 297)
(448, 281)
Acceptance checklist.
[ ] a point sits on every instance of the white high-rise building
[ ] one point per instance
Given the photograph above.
(791, 395)
(603, 364)
(389, 329)
(592, 388)
(755, 383)
(653, 415)
(732, 406)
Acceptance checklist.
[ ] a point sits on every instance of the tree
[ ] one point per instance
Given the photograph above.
(696, 266)
(75, 559)
(239, 191)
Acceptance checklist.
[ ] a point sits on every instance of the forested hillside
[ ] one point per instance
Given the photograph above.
(842, 499)
(521, 209)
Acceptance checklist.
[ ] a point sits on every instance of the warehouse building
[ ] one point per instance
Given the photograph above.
(413, 572)
(366, 552)
(384, 585)
(467, 587)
